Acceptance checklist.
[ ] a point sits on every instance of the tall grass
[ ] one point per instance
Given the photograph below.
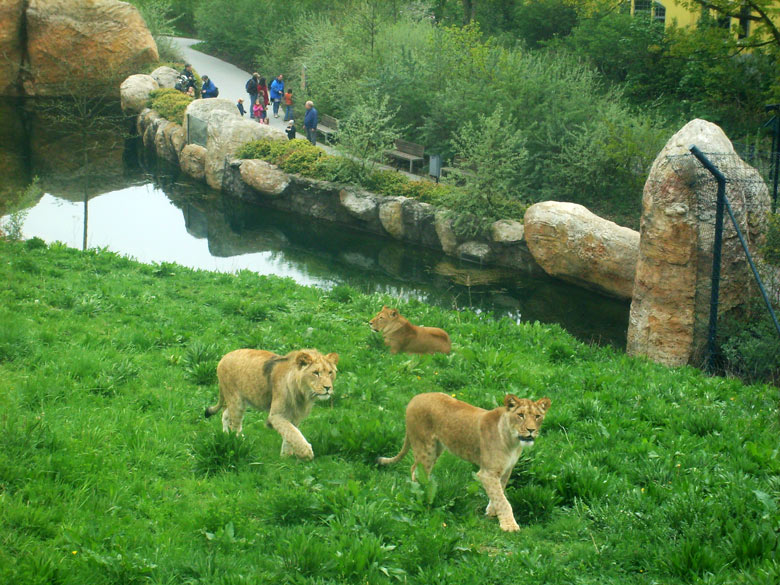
(109, 472)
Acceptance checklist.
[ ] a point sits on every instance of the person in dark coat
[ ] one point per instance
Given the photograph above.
(240, 106)
(190, 75)
(208, 90)
(252, 88)
(310, 122)
(290, 130)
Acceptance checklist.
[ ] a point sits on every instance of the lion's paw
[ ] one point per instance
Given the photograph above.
(306, 453)
(490, 510)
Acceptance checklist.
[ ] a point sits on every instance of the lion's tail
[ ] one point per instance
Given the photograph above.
(212, 410)
(397, 458)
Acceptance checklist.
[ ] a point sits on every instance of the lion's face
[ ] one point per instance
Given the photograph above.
(384, 318)
(317, 372)
(525, 416)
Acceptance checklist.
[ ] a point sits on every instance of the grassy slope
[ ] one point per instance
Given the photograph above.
(110, 474)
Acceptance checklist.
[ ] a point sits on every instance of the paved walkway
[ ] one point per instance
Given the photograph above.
(231, 82)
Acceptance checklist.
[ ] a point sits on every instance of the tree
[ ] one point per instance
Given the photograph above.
(367, 133)
(758, 16)
(490, 161)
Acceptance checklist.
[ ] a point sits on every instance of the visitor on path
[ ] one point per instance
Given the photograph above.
(259, 112)
(190, 78)
(288, 105)
(209, 90)
(277, 91)
(252, 87)
(240, 106)
(310, 122)
(290, 130)
(262, 90)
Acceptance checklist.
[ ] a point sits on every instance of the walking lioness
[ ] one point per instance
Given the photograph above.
(400, 335)
(492, 439)
(285, 386)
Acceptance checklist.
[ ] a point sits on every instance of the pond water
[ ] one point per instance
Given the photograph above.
(125, 200)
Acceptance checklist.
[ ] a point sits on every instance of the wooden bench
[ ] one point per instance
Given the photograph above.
(327, 125)
(405, 150)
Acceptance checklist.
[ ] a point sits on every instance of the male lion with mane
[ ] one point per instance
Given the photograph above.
(492, 439)
(400, 335)
(285, 386)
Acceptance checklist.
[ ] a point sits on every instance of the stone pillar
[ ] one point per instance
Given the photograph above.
(671, 300)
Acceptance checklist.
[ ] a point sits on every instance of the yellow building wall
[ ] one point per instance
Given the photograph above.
(679, 14)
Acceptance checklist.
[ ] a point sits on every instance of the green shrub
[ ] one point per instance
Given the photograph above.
(259, 149)
(169, 103)
(750, 348)
(771, 248)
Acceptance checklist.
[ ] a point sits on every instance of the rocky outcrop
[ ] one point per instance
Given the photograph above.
(671, 296)
(11, 46)
(134, 92)
(83, 45)
(571, 243)
(264, 177)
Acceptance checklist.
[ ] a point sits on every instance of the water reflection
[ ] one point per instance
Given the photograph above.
(144, 209)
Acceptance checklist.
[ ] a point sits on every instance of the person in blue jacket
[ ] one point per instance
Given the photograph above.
(277, 92)
(310, 122)
(208, 90)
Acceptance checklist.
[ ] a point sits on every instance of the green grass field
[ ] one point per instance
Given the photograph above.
(110, 474)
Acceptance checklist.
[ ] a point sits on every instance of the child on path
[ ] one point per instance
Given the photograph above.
(240, 106)
(258, 111)
(290, 130)
(288, 104)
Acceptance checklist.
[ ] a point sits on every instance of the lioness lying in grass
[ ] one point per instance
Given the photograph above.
(492, 439)
(286, 386)
(400, 335)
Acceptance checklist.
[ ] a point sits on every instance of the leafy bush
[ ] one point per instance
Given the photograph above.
(771, 248)
(170, 103)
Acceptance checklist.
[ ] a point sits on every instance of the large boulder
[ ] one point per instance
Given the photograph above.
(83, 45)
(391, 216)
(573, 244)
(162, 141)
(360, 204)
(134, 92)
(264, 177)
(206, 110)
(671, 298)
(11, 45)
(445, 232)
(507, 231)
(192, 161)
(227, 132)
(165, 76)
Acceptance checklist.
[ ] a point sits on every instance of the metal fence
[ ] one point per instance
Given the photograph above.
(722, 205)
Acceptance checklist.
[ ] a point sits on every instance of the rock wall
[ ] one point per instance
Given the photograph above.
(671, 298)
(51, 47)
(609, 251)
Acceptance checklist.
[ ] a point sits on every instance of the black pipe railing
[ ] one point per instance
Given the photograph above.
(721, 204)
